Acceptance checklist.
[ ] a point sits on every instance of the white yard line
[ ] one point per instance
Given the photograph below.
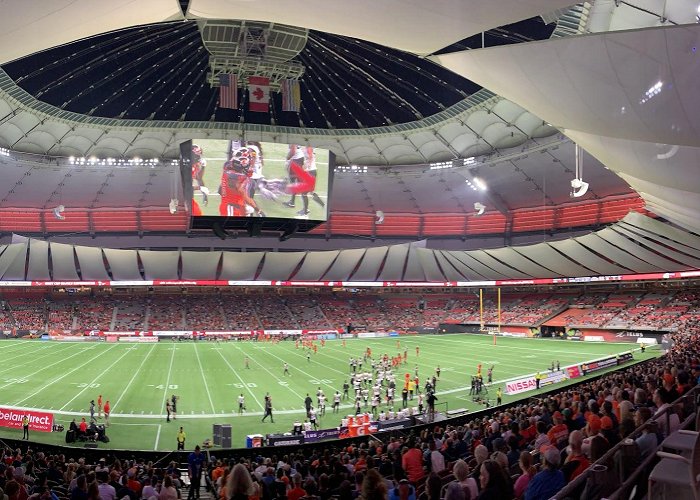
(133, 377)
(204, 378)
(102, 374)
(167, 380)
(27, 352)
(242, 381)
(33, 372)
(49, 384)
(155, 447)
(311, 377)
(275, 376)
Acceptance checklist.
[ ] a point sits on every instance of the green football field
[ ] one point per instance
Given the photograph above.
(208, 377)
(274, 156)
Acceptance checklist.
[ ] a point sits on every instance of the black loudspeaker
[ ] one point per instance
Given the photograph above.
(90, 445)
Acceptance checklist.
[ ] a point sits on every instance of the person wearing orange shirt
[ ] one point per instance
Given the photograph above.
(297, 491)
(412, 463)
(559, 433)
(108, 409)
(99, 406)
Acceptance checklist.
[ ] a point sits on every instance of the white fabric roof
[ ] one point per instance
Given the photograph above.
(628, 98)
(394, 23)
(471, 127)
(28, 26)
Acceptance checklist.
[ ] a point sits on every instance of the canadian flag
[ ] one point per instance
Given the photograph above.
(258, 94)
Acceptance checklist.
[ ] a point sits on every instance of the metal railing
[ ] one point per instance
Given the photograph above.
(627, 481)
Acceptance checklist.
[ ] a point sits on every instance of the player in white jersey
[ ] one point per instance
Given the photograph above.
(375, 404)
(322, 404)
(241, 404)
(336, 402)
(301, 167)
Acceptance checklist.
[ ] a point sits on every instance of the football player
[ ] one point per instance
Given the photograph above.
(235, 184)
(198, 166)
(301, 168)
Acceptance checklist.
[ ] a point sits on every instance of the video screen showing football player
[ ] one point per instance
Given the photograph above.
(235, 186)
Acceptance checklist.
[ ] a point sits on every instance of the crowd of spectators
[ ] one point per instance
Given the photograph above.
(372, 312)
(39, 476)
(526, 451)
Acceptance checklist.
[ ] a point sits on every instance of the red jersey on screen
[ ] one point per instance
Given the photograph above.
(305, 182)
(196, 209)
(233, 185)
(196, 170)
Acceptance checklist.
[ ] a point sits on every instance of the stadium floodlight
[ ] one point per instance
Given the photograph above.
(479, 182)
(479, 207)
(58, 212)
(173, 206)
(578, 186)
(379, 217)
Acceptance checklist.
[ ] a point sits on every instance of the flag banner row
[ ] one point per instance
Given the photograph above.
(258, 93)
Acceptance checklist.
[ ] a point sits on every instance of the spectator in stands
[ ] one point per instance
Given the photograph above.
(461, 472)
(80, 490)
(93, 492)
(549, 480)
(494, 483)
(106, 491)
(669, 422)
(528, 472)
(373, 486)
(167, 490)
(412, 462)
(647, 441)
(576, 462)
(437, 459)
(403, 491)
(433, 488)
(240, 486)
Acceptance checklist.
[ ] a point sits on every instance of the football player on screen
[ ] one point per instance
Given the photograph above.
(235, 186)
(198, 166)
(301, 168)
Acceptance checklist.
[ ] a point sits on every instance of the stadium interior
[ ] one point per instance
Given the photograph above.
(498, 202)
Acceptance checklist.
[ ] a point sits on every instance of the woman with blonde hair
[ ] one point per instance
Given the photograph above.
(239, 484)
(468, 483)
(373, 486)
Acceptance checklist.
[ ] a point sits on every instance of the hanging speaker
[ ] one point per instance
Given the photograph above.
(58, 212)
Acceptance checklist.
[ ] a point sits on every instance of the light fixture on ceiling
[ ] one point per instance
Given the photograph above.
(479, 182)
(173, 206)
(379, 217)
(479, 207)
(58, 212)
(578, 186)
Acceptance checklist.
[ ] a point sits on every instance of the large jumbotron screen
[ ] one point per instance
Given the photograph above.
(232, 178)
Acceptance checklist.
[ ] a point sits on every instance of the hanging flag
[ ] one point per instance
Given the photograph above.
(291, 95)
(228, 91)
(259, 94)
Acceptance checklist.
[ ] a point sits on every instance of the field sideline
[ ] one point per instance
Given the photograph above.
(209, 376)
